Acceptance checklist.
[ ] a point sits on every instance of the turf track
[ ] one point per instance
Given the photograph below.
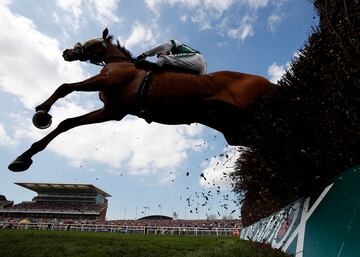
(78, 244)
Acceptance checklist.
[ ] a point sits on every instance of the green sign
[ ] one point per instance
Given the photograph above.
(326, 224)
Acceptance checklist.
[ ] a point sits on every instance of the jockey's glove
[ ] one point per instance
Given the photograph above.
(141, 57)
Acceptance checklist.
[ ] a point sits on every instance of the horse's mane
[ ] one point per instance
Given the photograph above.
(125, 51)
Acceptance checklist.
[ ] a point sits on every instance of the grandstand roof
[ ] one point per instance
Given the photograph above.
(156, 217)
(54, 188)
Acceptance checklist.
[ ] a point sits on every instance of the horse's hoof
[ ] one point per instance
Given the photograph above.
(42, 119)
(20, 164)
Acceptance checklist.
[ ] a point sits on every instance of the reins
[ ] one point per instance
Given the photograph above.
(103, 63)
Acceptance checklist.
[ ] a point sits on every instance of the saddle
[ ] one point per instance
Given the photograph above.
(150, 66)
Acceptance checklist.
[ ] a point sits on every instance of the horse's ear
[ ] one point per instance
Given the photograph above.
(105, 33)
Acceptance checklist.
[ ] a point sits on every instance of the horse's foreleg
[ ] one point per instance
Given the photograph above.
(24, 161)
(95, 83)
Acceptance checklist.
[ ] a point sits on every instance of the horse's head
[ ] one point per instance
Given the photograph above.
(97, 50)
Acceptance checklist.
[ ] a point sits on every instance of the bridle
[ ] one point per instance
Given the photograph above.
(80, 50)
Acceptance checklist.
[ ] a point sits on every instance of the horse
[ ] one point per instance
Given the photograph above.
(172, 97)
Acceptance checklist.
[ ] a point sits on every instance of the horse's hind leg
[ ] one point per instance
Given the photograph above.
(24, 161)
(95, 83)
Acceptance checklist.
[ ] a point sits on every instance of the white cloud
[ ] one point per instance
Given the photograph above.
(255, 4)
(140, 35)
(276, 71)
(155, 5)
(5, 2)
(184, 18)
(222, 44)
(203, 19)
(102, 11)
(219, 5)
(242, 32)
(105, 11)
(5, 139)
(245, 30)
(217, 169)
(74, 7)
(273, 21)
(212, 14)
(276, 16)
(205, 11)
(31, 65)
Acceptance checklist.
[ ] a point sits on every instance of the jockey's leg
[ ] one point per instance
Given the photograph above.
(24, 161)
(200, 61)
(95, 83)
(191, 62)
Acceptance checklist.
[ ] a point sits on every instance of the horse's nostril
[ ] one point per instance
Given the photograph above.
(66, 54)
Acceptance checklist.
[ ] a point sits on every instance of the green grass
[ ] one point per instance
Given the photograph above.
(28, 243)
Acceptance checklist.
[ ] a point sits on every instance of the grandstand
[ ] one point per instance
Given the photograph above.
(4, 203)
(58, 201)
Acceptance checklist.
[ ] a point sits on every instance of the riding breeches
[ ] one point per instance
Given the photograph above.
(193, 62)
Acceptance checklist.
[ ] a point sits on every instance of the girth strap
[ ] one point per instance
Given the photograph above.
(141, 96)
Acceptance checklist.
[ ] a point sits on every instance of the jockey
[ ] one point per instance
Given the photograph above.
(177, 54)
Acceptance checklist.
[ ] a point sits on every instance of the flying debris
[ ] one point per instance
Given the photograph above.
(187, 173)
(207, 198)
(232, 211)
(202, 175)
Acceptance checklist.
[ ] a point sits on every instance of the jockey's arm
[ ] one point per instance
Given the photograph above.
(159, 49)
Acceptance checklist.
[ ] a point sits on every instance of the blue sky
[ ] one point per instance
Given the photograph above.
(139, 164)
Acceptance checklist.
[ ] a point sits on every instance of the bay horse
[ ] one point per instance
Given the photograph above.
(172, 97)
